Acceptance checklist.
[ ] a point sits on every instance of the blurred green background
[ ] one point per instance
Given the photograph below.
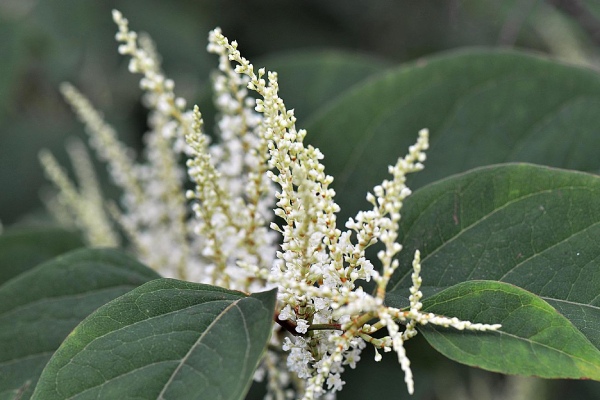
(44, 43)
(51, 41)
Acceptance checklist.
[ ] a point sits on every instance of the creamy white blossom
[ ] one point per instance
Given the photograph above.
(318, 265)
(261, 213)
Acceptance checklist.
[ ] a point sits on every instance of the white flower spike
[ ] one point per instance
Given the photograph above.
(318, 265)
(324, 319)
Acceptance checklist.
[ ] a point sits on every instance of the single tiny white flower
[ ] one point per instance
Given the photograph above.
(302, 325)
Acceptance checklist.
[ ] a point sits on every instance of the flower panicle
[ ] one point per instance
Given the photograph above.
(305, 200)
(318, 264)
(258, 169)
(242, 156)
(230, 200)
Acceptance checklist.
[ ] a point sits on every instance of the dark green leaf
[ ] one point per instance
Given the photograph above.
(534, 339)
(23, 249)
(535, 227)
(40, 307)
(166, 339)
(481, 107)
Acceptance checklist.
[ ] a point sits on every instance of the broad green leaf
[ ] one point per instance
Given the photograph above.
(23, 249)
(535, 227)
(39, 308)
(534, 339)
(166, 339)
(481, 106)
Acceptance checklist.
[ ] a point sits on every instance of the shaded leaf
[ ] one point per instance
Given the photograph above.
(481, 107)
(23, 249)
(534, 227)
(534, 339)
(166, 339)
(39, 308)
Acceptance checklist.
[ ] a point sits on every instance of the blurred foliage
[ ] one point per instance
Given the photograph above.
(45, 42)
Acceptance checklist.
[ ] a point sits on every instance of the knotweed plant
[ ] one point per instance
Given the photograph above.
(260, 213)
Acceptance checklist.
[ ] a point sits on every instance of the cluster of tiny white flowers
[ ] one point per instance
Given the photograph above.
(324, 317)
(152, 211)
(318, 265)
(234, 198)
(204, 245)
(157, 223)
(233, 228)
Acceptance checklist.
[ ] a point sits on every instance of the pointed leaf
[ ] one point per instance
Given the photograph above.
(534, 339)
(23, 249)
(40, 307)
(166, 339)
(534, 227)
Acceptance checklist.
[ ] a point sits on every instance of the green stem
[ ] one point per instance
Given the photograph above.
(323, 327)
